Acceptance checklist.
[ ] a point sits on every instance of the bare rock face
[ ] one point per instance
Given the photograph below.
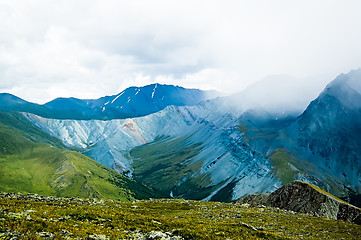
(349, 213)
(302, 197)
(305, 198)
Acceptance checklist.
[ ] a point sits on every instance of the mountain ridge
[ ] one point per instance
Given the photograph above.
(131, 102)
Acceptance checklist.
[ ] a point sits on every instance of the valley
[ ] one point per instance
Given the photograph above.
(216, 150)
(211, 151)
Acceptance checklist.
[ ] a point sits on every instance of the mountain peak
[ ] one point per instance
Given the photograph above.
(141, 101)
(7, 97)
(346, 88)
(352, 79)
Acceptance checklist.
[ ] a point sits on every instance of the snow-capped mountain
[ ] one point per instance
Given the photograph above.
(132, 102)
(275, 96)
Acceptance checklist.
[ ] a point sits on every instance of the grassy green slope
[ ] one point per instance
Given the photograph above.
(25, 130)
(30, 161)
(284, 166)
(287, 166)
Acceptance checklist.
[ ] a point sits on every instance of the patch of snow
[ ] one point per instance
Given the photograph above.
(137, 91)
(128, 100)
(154, 90)
(103, 109)
(117, 97)
(106, 103)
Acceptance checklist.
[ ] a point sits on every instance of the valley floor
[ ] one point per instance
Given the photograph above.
(27, 216)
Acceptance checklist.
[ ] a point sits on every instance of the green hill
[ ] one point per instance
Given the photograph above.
(31, 161)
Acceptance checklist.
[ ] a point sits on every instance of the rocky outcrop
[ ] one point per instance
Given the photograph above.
(305, 198)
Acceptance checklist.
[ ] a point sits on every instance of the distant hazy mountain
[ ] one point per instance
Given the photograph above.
(322, 143)
(275, 96)
(132, 102)
(330, 129)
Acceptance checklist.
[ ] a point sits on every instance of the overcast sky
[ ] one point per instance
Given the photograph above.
(92, 48)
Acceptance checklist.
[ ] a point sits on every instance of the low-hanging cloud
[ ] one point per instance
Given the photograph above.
(93, 48)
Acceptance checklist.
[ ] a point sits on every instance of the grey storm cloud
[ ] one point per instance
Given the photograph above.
(93, 48)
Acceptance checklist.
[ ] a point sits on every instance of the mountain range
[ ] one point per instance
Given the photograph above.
(132, 102)
(183, 144)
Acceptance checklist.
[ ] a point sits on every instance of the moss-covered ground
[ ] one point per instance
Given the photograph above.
(28, 217)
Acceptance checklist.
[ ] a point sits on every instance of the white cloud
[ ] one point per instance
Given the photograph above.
(88, 49)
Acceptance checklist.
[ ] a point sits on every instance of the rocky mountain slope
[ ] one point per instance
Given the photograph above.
(33, 161)
(328, 131)
(108, 141)
(322, 143)
(218, 164)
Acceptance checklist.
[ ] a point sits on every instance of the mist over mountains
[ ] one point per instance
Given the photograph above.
(184, 144)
